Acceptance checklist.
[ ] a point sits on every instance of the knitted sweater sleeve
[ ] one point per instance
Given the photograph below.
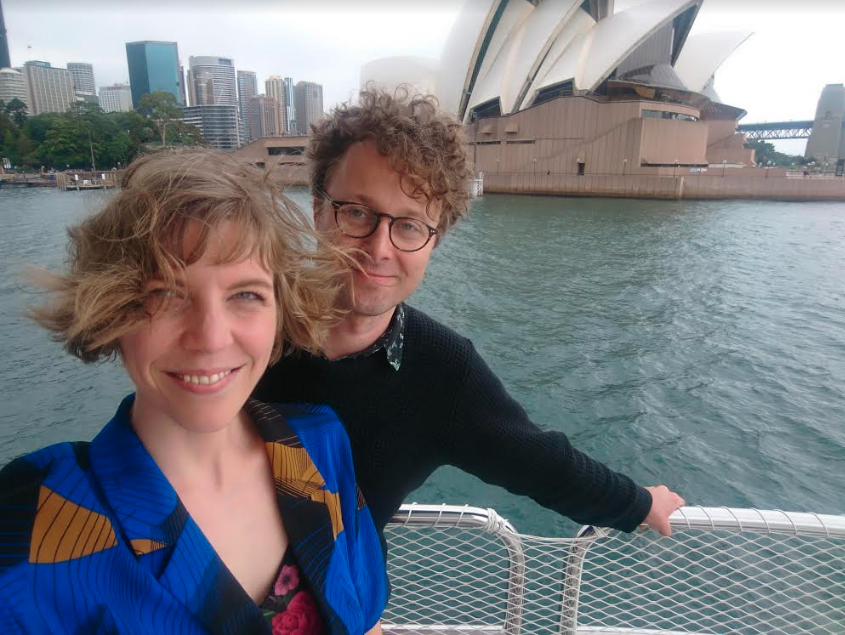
(492, 437)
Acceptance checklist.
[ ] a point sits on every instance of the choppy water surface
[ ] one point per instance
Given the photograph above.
(700, 345)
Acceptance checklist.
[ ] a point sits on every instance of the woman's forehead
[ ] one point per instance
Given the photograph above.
(226, 241)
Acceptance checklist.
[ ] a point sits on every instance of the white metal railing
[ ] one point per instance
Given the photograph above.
(466, 570)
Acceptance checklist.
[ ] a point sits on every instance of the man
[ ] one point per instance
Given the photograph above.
(389, 176)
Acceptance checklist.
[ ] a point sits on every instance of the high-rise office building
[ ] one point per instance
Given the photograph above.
(153, 66)
(274, 87)
(83, 78)
(290, 105)
(116, 98)
(214, 80)
(5, 61)
(265, 117)
(309, 105)
(247, 88)
(13, 86)
(189, 82)
(214, 97)
(218, 123)
(183, 97)
(49, 89)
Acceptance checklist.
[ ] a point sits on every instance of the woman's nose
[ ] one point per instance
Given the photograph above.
(207, 328)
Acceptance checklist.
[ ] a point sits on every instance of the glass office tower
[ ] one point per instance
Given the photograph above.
(153, 66)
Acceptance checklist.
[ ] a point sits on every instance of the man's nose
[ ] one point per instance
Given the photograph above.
(207, 328)
(378, 243)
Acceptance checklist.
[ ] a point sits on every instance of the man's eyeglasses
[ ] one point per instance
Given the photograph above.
(359, 221)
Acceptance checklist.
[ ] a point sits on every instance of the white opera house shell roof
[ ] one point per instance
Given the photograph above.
(503, 56)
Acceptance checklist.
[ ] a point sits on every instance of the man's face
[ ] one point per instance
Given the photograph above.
(364, 176)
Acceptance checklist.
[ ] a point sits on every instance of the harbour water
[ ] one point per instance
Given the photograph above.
(697, 344)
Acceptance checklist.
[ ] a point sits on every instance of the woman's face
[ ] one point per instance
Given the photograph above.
(199, 357)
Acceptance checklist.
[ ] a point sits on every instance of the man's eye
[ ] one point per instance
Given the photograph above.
(355, 212)
(410, 227)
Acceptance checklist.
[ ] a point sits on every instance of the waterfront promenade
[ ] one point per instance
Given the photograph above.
(26, 180)
(662, 183)
(749, 183)
(647, 183)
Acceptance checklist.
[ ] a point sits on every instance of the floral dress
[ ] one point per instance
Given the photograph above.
(290, 607)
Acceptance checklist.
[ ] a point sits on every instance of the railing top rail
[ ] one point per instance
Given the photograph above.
(690, 518)
(759, 521)
(451, 516)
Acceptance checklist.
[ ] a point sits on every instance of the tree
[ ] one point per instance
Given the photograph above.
(161, 108)
(765, 152)
(135, 125)
(36, 128)
(64, 145)
(17, 110)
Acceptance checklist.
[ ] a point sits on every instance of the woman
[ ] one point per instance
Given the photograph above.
(195, 509)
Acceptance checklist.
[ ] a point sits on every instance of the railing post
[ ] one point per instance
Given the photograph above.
(516, 580)
(572, 578)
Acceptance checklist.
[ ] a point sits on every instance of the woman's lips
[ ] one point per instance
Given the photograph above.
(204, 382)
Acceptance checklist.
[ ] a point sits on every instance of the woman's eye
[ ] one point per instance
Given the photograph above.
(249, 296)
(164, 299)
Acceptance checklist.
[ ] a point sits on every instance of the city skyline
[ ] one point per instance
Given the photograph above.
(327, 42)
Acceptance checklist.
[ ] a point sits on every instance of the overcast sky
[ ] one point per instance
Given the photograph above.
(776, 75)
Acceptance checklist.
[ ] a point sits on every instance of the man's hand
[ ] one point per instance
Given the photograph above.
(663, 503)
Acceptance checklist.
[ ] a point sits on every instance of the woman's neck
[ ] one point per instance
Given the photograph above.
(214, 461)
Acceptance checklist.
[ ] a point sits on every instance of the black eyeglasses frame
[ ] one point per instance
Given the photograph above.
(336, 205)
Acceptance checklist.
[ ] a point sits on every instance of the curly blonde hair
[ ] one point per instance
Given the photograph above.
(421, 142)
(140, 235)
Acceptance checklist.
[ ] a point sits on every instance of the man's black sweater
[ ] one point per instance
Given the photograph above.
(444, 406)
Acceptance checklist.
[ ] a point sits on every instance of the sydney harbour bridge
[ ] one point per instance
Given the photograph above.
(777, 130)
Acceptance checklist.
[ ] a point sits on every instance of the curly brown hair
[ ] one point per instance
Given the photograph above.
(421, 142)
(141, 235)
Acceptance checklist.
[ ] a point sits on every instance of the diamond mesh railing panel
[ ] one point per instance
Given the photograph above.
(722, 571)
(715, 582)
(448, 577)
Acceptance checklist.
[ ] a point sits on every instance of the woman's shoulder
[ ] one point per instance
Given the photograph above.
(24, 485)
(314, 427)
(307, 413)
(299, 417)
(32, 469)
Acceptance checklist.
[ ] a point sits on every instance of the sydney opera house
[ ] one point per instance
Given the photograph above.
(569, 88)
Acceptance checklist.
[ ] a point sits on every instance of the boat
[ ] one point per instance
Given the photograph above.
(466, 570)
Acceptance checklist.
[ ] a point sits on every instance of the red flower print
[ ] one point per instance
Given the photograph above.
(287, 581)
(300, 618)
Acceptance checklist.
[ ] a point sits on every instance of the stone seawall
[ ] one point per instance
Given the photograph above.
(669, 187)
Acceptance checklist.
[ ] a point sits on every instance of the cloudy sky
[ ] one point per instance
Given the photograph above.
(776, 75)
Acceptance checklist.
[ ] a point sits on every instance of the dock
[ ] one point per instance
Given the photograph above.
(25, 180)
(76, 182)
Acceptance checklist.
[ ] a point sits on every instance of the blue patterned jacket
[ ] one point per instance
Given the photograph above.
(94, 539)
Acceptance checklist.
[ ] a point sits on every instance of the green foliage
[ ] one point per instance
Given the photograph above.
(161, 108)
(63, 146)
(68, 139)
(17, 110)
(765, 152)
